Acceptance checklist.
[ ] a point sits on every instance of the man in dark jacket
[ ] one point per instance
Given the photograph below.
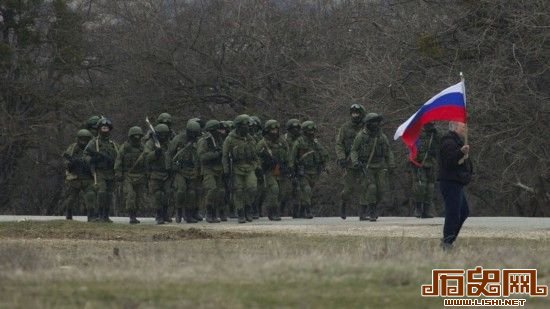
(455, 171)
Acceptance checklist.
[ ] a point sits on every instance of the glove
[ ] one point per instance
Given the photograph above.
(343, 163)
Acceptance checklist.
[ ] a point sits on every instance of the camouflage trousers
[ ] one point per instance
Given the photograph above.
(244, 189)
(374, 186)
(187, 190)
(352, 185)
(423, 184)
(135, 193)
(277, 190)
(307, 184)
(160, 189)
(105, 187)
(75, 190)
(214, 188)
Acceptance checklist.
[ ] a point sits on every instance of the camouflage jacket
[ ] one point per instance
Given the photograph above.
(241, 152)
(76, 165)
(344, 139)
(183, 154)
(365, 144)
(427, 148)
(104, 151)
(209, 151)
(158, 165)
(130, 161)
(274, 156)
(308, 154)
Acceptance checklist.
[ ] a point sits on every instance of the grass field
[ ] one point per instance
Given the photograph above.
(78, 265)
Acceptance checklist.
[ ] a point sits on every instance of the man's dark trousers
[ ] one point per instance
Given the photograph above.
(456, 209)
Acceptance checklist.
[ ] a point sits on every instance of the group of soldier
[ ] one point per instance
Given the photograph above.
(235, 168)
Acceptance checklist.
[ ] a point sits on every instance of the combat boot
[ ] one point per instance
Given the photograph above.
(427, 211)
(211, 215)
(296, 211)
(196, 215)
(159, 217)
(241, 215)
(133, 219)
(165, 216)
(69, 214)
(275, 214)
(373, 215)
(363, 213)
(179, 215)
(105, 215)
(255, 211)
(270, 214)
(189, 216)
(302, 213)
(223, 215)
(90, 216)
(307, 212)
(343, 210)
(418, 210)
(248, 213)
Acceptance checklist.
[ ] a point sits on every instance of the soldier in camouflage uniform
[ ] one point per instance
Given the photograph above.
(101, 154)
(274, 152)
(165, 118)
(159, 167)
(209, 150)
(228, 124)
(293, 132)
(371, 153)
(186, 166)
(256, 133)
(344, 140)
(308, 159)
(91, 125)
(240, 161)
(424, 173)
(78, 177)
(130, 169)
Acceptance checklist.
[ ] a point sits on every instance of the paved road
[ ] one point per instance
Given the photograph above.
(494, 227)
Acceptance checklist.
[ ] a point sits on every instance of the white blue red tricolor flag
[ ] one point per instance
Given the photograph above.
(448, 105)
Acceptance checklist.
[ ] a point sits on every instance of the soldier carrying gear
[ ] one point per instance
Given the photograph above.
(308, 159)
(240, 160)
(186, 167)
(256, 132)
(101, 153)
(293, 132)
(78, 177)
(424, 174)
(371, 153)
(209, 150)
(159, 166)
(274, 151)
(344, 140)
(131, 171)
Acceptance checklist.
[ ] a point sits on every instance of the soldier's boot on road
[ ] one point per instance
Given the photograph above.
(373, 213)
(196, 215)
(343, 211)
(248, 213)
(69, 213)
(91, 216)
(307, 212)
(232, 211)
(296, 211)
(165, 215)
(363, 213)
(159, 218)
(211, 215)
(179, 215)
(418, 209)
(302, 213)
(255, 211)
(427, 211)
(133, 219)
(269, 214)
(189, 216)
(105, 215)
(223, 214)
(275, 214)
(241, 215)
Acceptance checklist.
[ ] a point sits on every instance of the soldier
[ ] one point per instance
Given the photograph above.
(159, 166)
(256, 133)
(130, 169)
(91, 125)
(209, 150)
(101, 153)
(78, 177)
(274, 152)
(166, 119)
(228, 124)
(185, 163)
(293, 132)
(344, 140)
(308, 159)
(371, 154)
(239, 163)
(424, 173)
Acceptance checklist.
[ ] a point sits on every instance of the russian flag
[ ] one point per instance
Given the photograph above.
(448, 105)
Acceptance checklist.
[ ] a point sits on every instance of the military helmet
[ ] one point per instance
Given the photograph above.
(162, 128)
(103, 121)
(292, 123)
(212, 125)
(309, 125)
(92, 122)
(84, 133)
(271, 124)
(372, 117)
(242, 120)
(228, 124)
(165, 118)
(357, 108)
(256, 121)
(193, 126)
(135, 131)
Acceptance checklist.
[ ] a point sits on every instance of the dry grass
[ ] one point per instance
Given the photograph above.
(212, 269)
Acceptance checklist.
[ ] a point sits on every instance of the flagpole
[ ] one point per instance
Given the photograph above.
(461, 161)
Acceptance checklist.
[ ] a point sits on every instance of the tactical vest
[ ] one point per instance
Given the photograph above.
(367, 145)
(129, 156)
(309, 153)
(81, 172)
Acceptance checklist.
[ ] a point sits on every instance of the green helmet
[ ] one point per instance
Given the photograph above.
(292, 123)
(271, 124)
(308, 125)
(91, 123)
(242, 120)
(84, 133)
(372, 117)
(135, 131)
(165, 118)
(162, 128)
(193, 126)
(212, 125)
(256, 121)
(357, 108)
